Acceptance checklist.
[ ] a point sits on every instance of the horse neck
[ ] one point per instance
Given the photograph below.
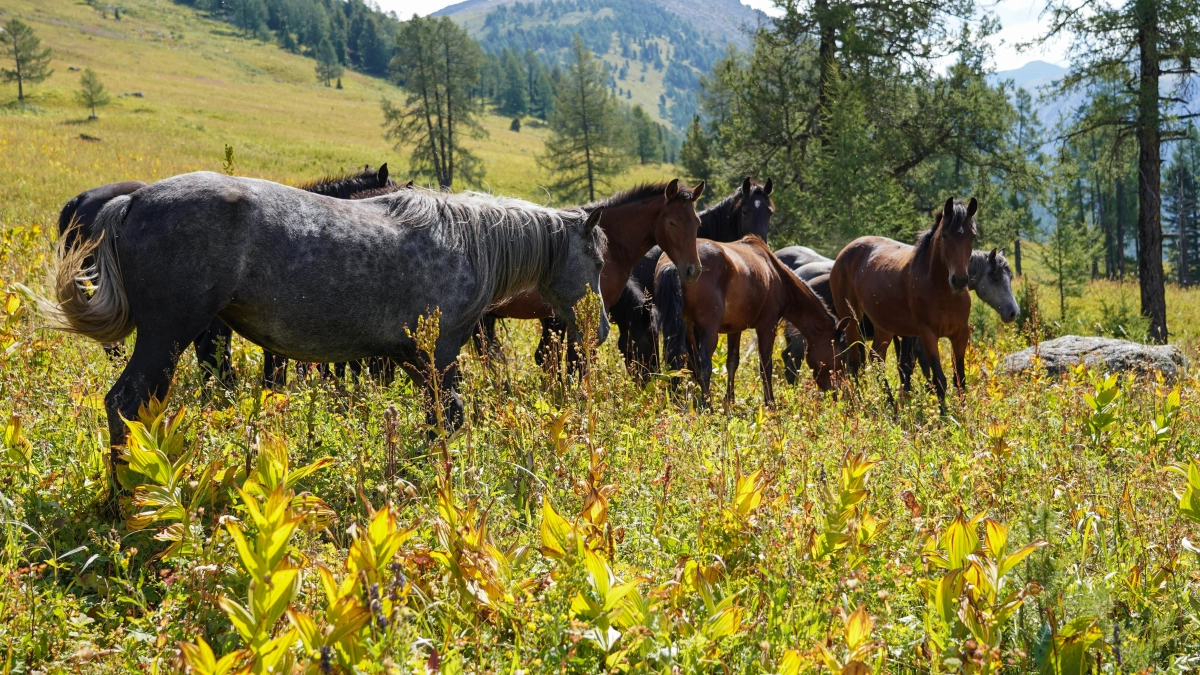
(928, 261)
(801, 307)
(630, 232)
(721, 222)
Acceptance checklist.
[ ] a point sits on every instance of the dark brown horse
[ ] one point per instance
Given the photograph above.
(911, 290)
(634, 221)
(744, 287)
(745, 211)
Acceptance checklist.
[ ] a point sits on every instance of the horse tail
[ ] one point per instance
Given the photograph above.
(668, 315)
(91, 297)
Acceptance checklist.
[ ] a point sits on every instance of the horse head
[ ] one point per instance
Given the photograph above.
(755, 209)
(578, 271)
(676, 227)
(824, 355)
(955, 238)
(992, 282)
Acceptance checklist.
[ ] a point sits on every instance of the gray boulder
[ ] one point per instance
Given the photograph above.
(1106, 353)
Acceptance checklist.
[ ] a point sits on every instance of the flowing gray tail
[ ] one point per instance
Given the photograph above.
(668, 316)
(91, 297)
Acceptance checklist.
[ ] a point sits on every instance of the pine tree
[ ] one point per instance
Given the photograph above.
(1143, 45)
(515, 95)
(1067, 251)
(694, 155)
(91, 92)
(649, 144)
(328, 68)
(438, 65)
(1181, 208)
(587, 145)
(31, 62)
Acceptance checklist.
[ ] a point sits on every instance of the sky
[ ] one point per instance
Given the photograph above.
(1019, 19)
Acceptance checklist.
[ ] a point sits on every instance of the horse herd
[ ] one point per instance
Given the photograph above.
(342, 269)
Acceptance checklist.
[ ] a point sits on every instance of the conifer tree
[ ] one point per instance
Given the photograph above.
(24, 50)
(91, 92)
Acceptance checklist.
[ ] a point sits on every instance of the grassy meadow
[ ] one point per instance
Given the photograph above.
(594, 527)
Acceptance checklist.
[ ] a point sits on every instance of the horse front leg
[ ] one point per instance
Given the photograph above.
(704, 341)
(734, 348)
(904, 361)
(930, 342)
(958, 342)
(766, 347)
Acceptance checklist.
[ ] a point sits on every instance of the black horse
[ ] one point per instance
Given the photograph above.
(745, 211)
(213, 346)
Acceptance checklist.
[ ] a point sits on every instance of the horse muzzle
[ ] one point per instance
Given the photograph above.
(690, 274)
(959, 283)
(1010, 314)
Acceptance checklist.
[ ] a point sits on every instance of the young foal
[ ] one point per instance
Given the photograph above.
(744, 286)
(745, 211)
(911, 290)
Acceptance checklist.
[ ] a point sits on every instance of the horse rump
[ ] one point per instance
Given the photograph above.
(87, 281)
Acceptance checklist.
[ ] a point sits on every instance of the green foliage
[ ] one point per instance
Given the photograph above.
(436, 64)
(588, 145)
(24, 51)
(91, 91)
(328, 68)
(1069, 245)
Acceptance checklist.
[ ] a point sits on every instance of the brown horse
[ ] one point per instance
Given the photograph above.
(911, 290)
(744, 286)
(634, 221)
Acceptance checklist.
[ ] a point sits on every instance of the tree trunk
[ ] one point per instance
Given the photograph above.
(1150, 266)
(1017, 254)
(1183, 252)
(826, 53)
(1121, 228)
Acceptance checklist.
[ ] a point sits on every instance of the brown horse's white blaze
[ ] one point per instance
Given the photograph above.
(745, 287)
(911, 290)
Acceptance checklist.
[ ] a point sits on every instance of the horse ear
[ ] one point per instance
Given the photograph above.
(840, 329)
(592, 221)
(697, 191)
(746, 185)
(383, 175)
(992, 255)
(948, 209)
(408, 184)
(672, 189)
(768, 187)
(972, 207)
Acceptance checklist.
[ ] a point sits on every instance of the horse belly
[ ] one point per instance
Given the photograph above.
(341, 298)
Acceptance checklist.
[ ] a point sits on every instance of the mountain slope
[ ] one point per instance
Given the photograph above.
(656, 50)
(204, 86)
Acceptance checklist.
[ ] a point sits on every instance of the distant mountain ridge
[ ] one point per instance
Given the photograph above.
(656, 50)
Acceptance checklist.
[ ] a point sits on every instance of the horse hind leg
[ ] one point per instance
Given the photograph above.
(147, 375)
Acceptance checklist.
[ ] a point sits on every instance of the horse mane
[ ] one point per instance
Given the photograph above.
(719, 222)
(924, 244)
(979, 265)
(343, 185)
(636, 194)
(511, 244)
(788, 277)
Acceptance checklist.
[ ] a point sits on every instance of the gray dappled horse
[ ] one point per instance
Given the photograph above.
(213, 345)
(310, 277)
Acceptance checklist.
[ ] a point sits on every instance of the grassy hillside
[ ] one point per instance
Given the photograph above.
(203, 87)
(588, 527)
